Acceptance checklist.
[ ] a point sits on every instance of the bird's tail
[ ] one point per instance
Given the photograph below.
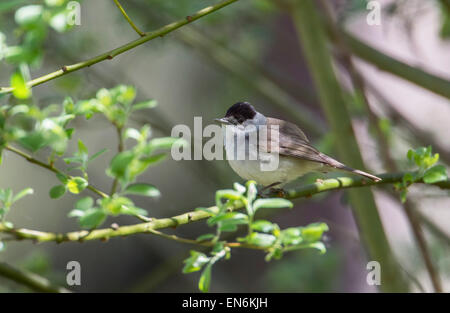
(338, 165)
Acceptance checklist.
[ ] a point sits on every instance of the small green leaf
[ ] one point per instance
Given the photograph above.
(92, 218)
(227, 194)
(313, 232)
(20, 88)
(205, 279)
(76, 184)
(274, 203)
(435, 174)
(263, 226)
(149, 104)
(29, 14)
(120, 163)
(234, 218)
(84, 204)
(205, 237)
(142, 189)
(96, 155)
(165, 143)
(82, 148)
(239, 188)
(57, 191)
(261, 240)
(23, 193)
(195, 262)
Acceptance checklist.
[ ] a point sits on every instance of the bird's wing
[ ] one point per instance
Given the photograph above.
(293, 142)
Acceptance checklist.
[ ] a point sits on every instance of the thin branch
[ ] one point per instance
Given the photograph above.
(140, 33)
(31, 280)
(111, 54)
(193, 216)
(423, 247)
(49, 167)
(203, 243)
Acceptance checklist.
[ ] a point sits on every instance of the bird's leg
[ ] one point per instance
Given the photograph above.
(260, 192)
(279, 192)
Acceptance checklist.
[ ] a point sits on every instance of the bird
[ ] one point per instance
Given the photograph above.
(294, 154)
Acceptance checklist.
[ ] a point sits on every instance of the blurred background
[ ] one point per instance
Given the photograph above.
(248, 51)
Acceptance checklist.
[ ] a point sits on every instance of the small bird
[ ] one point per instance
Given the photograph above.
(296, 156)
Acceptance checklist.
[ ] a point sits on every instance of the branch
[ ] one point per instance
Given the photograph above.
(419, 236)
(111, 54)
(434, 83)
(31, 280)
(140, 33)
(193, 216)
(50, 167)
(358, 83)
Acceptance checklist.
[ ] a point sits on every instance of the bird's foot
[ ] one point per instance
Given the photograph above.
(261, 193)
(279, 192)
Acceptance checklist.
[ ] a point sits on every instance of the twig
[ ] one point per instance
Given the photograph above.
(423, 248)
(31, 280)
(193, 216)
(49, 167)
(140, 33)
(115, 52)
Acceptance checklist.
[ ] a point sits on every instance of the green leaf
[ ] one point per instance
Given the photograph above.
(29, 14)
(205, 237)
(76, 184)
(96, 155)
(261, 240)
(57, 191)
(239, 188)
(263, 226)
(435, 174)
(195, 262)
(251, 191)
(84, 204)
(313, 232)
(274, 203)
(165, 143)
(149, 104)
(142, 189)
(20, 88)
(120, 163)
(291, 236)
(92, 218)
(227, 194)
(23, 193)
(82, 148)
(205, 279)
(234, 218)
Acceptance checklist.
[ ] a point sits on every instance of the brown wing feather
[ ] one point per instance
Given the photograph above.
(293, 142)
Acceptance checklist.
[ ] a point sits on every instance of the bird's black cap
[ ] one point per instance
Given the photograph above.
(241, 111)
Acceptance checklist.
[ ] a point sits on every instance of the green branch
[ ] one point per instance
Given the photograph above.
(31, 280)
(50, 167)
(140, 33)
(386, 63)
(193, 216)
(115, 52)
(315, 46)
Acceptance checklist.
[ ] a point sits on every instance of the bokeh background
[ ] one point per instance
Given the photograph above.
(249, 51)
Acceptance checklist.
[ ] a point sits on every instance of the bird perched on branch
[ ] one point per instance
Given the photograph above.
(281, 153)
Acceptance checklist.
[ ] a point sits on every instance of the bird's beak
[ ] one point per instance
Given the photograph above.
(222, 120)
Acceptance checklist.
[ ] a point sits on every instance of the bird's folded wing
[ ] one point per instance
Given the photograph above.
(291, 141)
